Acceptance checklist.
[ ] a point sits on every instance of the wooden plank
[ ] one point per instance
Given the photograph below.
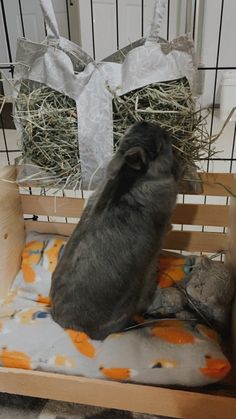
(194, 214)
(217, 184)
(194, 241)
(55, 206)
(12, 234)
(200, 214)
(131, 397)
(65, 229)
(214, 184)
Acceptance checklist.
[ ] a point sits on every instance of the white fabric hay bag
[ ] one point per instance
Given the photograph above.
(63, 66)
(148, 62)
(151, 60)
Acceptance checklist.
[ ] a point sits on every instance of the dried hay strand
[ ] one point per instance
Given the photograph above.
(49, 140)
(172, 105)
(48, 122)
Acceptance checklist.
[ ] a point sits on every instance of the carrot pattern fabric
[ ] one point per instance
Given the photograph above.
(167, 352)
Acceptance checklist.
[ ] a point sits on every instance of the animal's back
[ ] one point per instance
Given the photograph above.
(95, 267)
(107, 271)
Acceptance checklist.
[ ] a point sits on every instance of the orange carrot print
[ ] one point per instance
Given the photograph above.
(43, 300)
(51, 255)
(165, 281)
(14, 359)
(116, 373)
(82, 343)
(28, 273)
(31, 256)
(170, 271)
(216, 368)
(173, 334)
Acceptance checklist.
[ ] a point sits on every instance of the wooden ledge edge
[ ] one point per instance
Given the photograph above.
(110, 394)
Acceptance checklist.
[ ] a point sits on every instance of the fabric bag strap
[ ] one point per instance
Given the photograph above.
(158, 14)
(53, 35)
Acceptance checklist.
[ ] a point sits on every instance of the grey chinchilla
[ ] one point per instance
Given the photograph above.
(108, 269)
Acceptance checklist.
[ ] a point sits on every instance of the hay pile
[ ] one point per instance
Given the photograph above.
(48, 121)
(173, 106)
(49, 141)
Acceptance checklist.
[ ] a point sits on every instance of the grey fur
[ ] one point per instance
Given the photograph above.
(108, 269)
(211, 288)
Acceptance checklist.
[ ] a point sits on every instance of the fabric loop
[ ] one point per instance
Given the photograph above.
(53, 35)
(158, 14)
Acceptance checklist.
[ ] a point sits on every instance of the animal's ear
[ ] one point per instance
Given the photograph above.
(136, 158)
(115, 165)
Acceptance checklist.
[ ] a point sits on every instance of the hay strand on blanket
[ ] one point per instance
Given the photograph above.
(173, 106)
(49, 142)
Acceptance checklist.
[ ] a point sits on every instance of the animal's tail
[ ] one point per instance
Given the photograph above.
(231, 258)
